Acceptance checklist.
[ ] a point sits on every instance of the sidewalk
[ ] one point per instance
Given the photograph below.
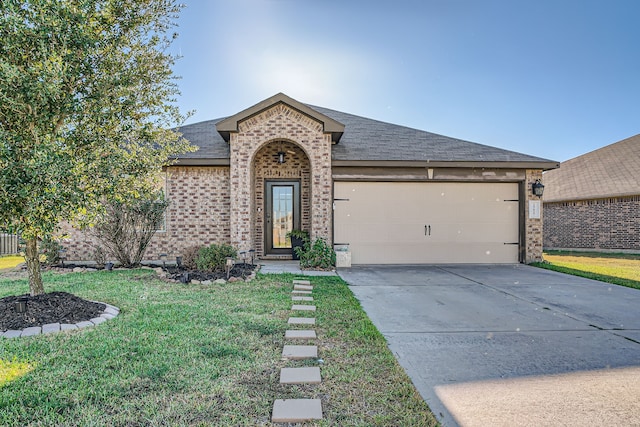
(293, 267)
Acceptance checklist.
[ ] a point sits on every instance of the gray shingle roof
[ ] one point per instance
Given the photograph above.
(610, 171)
(370, 140)
(209, 142)
(367, 139)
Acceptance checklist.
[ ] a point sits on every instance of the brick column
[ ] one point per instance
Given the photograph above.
(240, 179)
(533, 226)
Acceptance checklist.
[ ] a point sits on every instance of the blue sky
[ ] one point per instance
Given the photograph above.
(554, 78)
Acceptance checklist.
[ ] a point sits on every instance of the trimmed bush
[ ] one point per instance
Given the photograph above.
(50, 249)
(126, 228)
(317, 255)
(214, 258)
(189, 257)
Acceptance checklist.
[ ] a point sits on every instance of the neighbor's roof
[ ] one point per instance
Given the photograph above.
(370, 142)
(610, 171)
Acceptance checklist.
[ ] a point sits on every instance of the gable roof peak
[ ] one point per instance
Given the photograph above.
(230, 124)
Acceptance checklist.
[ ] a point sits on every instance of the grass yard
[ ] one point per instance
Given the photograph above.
(619, 269)
(193, 355)
(10, 261)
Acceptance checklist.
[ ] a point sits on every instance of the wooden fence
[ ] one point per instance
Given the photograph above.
(8, 244)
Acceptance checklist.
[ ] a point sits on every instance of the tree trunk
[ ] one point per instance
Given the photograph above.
(33, 267)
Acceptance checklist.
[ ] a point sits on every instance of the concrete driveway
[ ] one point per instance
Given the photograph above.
(510, 344)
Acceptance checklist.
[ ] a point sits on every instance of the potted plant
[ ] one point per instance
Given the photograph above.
(298, 239)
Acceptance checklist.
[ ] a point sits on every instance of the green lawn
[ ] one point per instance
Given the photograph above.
(619, 269)
(199, 356)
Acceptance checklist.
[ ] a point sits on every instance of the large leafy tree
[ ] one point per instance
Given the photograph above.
(87, 104)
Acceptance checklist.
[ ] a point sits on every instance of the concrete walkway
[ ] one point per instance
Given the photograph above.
(293, 267)
(509, 345)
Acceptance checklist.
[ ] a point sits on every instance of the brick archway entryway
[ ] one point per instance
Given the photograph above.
(269, 175)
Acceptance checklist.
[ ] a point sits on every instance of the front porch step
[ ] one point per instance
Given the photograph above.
(276, 257)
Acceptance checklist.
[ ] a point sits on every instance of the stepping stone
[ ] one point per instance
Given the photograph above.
(301, 298)
(302, 288)
(296, 410)
(301, 292)
(296, 352)
(301, 321)
(300, 375)
(300, 335)
(301, 282)
(303, 307)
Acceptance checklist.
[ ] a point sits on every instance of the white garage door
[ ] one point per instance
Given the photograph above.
(417, 222)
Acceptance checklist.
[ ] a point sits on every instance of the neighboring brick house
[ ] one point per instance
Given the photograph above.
(593, 200)
(393, 194)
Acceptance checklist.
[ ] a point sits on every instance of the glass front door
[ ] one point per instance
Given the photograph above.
(281, 215)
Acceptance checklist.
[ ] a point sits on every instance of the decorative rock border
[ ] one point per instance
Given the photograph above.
(109, 313)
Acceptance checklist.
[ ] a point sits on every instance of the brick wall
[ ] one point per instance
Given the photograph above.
(593, 224)
(199, 210)
(198, 214)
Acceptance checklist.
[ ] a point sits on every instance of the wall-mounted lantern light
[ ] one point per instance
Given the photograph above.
(537, 188)
(281, 158)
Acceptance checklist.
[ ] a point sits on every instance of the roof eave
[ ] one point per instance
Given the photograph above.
(201, 162)
(547, 199)
(230, 124)
(544, 165)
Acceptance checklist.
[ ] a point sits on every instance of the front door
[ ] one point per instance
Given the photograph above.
(282, 214)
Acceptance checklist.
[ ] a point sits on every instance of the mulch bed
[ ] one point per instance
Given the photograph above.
(52, 307)
(239, 270)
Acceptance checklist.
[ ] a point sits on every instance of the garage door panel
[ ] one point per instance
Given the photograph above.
(428, 222)
(475, 253)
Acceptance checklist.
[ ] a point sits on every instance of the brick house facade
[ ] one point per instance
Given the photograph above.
(593, 201)
(226, 191)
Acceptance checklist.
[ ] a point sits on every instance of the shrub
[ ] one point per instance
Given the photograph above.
(126, 229)
(316, 255)
(214, 258)
(189, 257)
(99, 256)
(50, 249)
